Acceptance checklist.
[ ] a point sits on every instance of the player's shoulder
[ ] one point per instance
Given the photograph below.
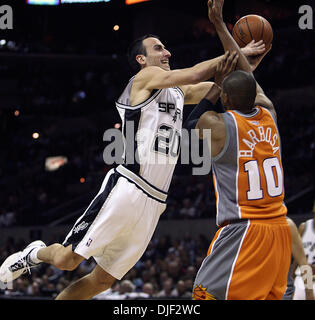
(212, 120)
(268, 112)
(212, 117)
(149, 71)
(146, 74)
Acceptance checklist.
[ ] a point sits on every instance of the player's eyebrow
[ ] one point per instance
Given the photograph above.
(158, 47)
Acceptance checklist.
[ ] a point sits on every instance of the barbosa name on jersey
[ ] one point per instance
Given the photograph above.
(265, 134)
(165, 143)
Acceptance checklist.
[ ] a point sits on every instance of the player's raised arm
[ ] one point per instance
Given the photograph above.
(215, 15)
(264, 101)
(215, 8)
(154, 77)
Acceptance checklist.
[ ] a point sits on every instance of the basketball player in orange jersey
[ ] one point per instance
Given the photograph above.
(118, 224)
(249, 257)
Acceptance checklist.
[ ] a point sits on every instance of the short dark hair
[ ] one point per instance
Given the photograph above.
(135, 48)
(240, 87)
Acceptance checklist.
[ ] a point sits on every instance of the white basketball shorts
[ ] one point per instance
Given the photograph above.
(118, 224)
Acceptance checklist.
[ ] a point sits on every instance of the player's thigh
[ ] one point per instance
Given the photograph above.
(124, 252)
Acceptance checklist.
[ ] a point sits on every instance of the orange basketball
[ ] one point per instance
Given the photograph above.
(252, 27)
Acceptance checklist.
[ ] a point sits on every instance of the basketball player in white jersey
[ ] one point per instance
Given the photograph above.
(118, 224)
(299, 258)
(307, 232)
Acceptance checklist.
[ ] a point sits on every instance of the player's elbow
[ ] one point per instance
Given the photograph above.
(197, 77)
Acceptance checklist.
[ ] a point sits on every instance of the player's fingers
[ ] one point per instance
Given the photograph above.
(229, 62)
(260, 50)
(258, 43)
(220, 66)
(226, 55)
(234, 62)
(224, 59)
(231, 57)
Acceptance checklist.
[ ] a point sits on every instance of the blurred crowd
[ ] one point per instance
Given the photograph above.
(167, 269)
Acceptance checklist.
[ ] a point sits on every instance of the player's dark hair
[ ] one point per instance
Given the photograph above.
(240, 87)
(135, 48)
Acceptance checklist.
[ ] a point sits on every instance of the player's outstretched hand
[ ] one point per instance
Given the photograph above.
(225, 66)
(254, 48)
(215, 8)
(254, 60)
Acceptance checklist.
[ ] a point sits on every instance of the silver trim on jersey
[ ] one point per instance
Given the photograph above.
(140, 105)
(141, 183)
(247, 115)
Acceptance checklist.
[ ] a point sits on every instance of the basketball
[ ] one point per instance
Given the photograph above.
(252, 27)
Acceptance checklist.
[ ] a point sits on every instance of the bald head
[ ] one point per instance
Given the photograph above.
(240, 88)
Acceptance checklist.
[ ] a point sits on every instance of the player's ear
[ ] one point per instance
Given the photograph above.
(141, 59)
(224, 99)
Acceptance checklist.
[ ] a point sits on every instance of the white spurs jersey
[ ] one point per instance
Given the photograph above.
(308, 239)
(152, 134)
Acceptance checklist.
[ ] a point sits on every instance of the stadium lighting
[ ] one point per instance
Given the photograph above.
(35, 135)
(83, 1)
(134, 1)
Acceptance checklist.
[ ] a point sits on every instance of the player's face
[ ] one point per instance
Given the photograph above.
(157, 55)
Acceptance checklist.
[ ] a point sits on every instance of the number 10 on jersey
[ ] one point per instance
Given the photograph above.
(272, 174)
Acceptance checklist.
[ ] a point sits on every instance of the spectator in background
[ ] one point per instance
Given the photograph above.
(180, 290)
(167, 288)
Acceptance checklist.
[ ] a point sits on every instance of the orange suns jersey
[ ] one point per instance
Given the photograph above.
(248, 173)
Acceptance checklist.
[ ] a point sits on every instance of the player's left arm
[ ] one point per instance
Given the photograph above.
(264, 101)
